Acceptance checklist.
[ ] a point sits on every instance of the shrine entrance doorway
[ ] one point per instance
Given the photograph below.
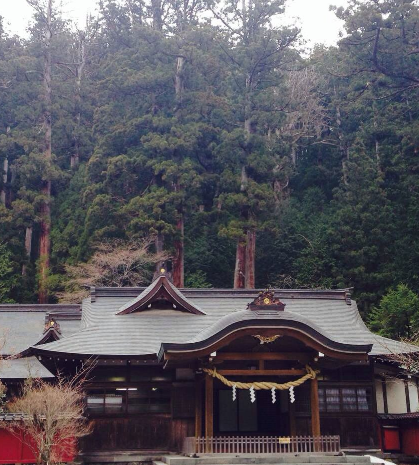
(243, 417)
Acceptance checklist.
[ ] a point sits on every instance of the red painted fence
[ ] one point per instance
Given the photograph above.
(14, 450)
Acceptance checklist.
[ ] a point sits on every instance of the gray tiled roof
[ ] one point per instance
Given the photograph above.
(139, 334)
(22, 326)
(243, 315)
(22, 368)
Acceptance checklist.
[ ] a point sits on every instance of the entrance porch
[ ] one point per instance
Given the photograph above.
(256, 375)
(221, 410)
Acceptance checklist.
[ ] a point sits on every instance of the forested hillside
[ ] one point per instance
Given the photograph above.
(207, 129)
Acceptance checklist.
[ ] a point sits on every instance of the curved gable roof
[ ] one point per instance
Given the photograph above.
(160, 288)
(207, 339)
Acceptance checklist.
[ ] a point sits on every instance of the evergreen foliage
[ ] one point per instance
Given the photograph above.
(397, 315)
(8, 279)
(204, 127)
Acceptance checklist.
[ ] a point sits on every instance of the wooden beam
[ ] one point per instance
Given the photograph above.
(262, 372)
(198, 408)
(209, 406)
(315, 412)
(263, 356)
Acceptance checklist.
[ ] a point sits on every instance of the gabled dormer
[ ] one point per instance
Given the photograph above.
(52, 331)
(160, 295)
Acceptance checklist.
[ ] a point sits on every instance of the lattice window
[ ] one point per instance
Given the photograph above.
(345, 399)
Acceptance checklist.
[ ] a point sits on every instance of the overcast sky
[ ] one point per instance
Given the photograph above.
(318, 24)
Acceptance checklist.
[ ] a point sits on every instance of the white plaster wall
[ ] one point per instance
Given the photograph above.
(413, 394)
(396, 396)
(379, 396)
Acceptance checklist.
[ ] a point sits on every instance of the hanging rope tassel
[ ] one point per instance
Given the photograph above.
(273, 395)
(292, 395)
(234, 392)
(252, 394)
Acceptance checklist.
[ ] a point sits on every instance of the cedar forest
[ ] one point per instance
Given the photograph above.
(206, 128)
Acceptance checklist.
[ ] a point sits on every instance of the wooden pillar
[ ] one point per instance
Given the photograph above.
(385, 400)
(407, 393)
(198, 408)
(209, 406)
(315, 414)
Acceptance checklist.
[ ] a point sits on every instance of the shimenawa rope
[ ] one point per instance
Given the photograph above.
(258, 385)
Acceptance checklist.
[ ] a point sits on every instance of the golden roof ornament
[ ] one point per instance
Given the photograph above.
(266, 300)
(52, 324)
(266, 339)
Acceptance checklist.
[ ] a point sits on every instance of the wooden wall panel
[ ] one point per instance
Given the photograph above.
(151, 432)
(353, 431)
(303, 426)
(181, 429)
(359, 431)
(143, 432)
(183, 401)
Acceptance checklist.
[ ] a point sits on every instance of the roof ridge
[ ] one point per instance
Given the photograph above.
(341, 294)
(40, 308)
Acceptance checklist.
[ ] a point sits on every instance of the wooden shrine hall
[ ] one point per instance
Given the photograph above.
(198, 370)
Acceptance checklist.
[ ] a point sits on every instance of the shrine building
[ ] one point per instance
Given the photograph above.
(210, 370)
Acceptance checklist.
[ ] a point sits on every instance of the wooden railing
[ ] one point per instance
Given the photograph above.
(260, 445)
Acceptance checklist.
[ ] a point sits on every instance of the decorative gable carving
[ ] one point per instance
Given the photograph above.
(266, 300)
(160, 294)
(52, 331)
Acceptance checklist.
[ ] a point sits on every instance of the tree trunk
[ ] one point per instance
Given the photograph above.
(178, 260)
(179, 84)
(3, 192)
(377, 142)
(75, 158)
(28, 247)
(45, 223)
(240, 268)
(44, 243)
(241, 247)
(250, 259)
(243, 253)
(344, 154)
(294, 156)
(244, 179)
(157, 15)
(377, 155)
(159, 246)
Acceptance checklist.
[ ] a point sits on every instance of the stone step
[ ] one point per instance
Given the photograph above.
(290, 463)
(122, 457)
(265, 459)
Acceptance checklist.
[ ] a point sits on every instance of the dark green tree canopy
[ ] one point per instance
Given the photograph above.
(203, 128)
